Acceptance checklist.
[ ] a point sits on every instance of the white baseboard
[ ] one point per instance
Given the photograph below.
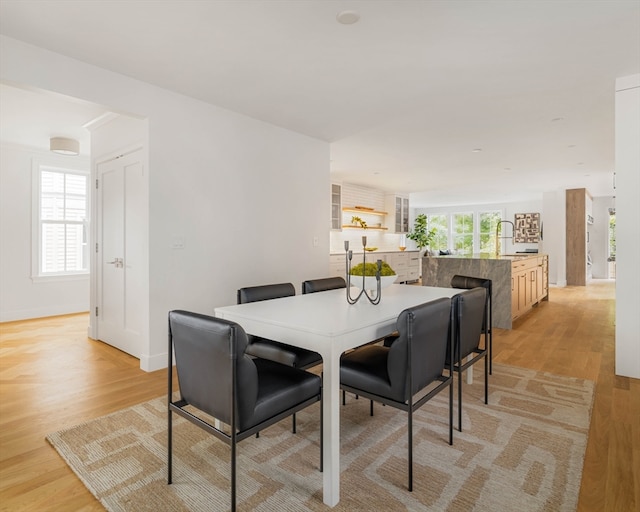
(27, 314)
(153, 363)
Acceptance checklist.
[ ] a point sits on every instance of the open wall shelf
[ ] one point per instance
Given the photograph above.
(363, 211)
(368, 228)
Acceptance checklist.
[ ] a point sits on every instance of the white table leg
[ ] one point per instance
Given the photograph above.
(470, 370)
(331, 397)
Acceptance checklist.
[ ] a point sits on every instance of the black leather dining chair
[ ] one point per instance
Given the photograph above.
(468, 283)
(271, 349)
(323, 284)
(469, 310)
(218, 378)
(274, 350)
(396, 375)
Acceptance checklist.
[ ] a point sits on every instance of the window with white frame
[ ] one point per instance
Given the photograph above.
(63, 212)
(462, 232)
(487, 230)
(440, 240)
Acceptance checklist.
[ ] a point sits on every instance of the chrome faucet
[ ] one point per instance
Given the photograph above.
(498, 238)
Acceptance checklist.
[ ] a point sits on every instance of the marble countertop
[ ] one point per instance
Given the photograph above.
(485, 256)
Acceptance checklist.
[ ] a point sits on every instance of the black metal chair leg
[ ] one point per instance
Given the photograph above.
(169, 447)
(451, 411)
(371, 407)
(322, 433)
(491, 352)
(410, 449)
(486, 380)
(459, 401)
(233, 475)
(490, 327)
(293, 420)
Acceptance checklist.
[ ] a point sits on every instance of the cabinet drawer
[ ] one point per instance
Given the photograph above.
(397, 261)
(337, 265)
(413, 274)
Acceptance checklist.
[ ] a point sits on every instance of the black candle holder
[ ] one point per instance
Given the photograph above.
(374, 299)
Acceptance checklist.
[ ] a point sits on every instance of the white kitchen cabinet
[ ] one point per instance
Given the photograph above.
(337, 265)
(413, 266)
(336, 206)
(398, 213)
(406, 264)
(398, 261)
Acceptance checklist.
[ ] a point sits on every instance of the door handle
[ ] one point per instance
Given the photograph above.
(118, 262)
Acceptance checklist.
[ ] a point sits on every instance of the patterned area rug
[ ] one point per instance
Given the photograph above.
(524, 451)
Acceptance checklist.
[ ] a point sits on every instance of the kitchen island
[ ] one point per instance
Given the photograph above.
(519, 281)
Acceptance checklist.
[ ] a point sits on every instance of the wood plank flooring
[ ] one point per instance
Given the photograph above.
(573, 334)
(52, 376)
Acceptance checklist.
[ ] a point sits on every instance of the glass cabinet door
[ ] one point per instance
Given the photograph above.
(336, 206)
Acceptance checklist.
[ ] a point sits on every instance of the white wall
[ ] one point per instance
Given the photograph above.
(21, 296)
(627, 215)
(247, 197)
(554, 241)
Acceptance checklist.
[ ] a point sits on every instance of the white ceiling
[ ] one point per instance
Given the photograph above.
(404, 96)
(31, 118)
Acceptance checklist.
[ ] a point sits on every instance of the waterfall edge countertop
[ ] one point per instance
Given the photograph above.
(519, 281)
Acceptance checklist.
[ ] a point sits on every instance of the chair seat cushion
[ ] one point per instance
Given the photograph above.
(282, 353)
(366, 368)
(280, 387)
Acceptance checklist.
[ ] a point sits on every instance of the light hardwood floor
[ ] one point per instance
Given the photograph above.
(52, 376)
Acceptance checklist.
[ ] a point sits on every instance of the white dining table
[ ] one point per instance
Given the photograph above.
(325, 323)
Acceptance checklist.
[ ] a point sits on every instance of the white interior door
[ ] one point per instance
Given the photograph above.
(121, 250)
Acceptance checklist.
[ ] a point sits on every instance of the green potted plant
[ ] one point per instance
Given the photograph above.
(355, 220)
(387, 275)
(420, 235)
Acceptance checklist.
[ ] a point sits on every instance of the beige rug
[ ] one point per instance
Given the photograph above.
(523, 452)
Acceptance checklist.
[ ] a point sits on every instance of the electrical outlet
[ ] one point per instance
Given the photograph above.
(177, 242)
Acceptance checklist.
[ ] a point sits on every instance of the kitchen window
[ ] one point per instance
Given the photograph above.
(440, 222)
(462, 232)
(487, 230)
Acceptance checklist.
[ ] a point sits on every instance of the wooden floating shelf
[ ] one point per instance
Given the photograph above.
(362, 210)
(376, 228)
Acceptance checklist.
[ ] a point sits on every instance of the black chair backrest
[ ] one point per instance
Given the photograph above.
(469, 310)
(426, 327)
(322, 285)
(265, 292)
(468, 283)
(208, 352)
